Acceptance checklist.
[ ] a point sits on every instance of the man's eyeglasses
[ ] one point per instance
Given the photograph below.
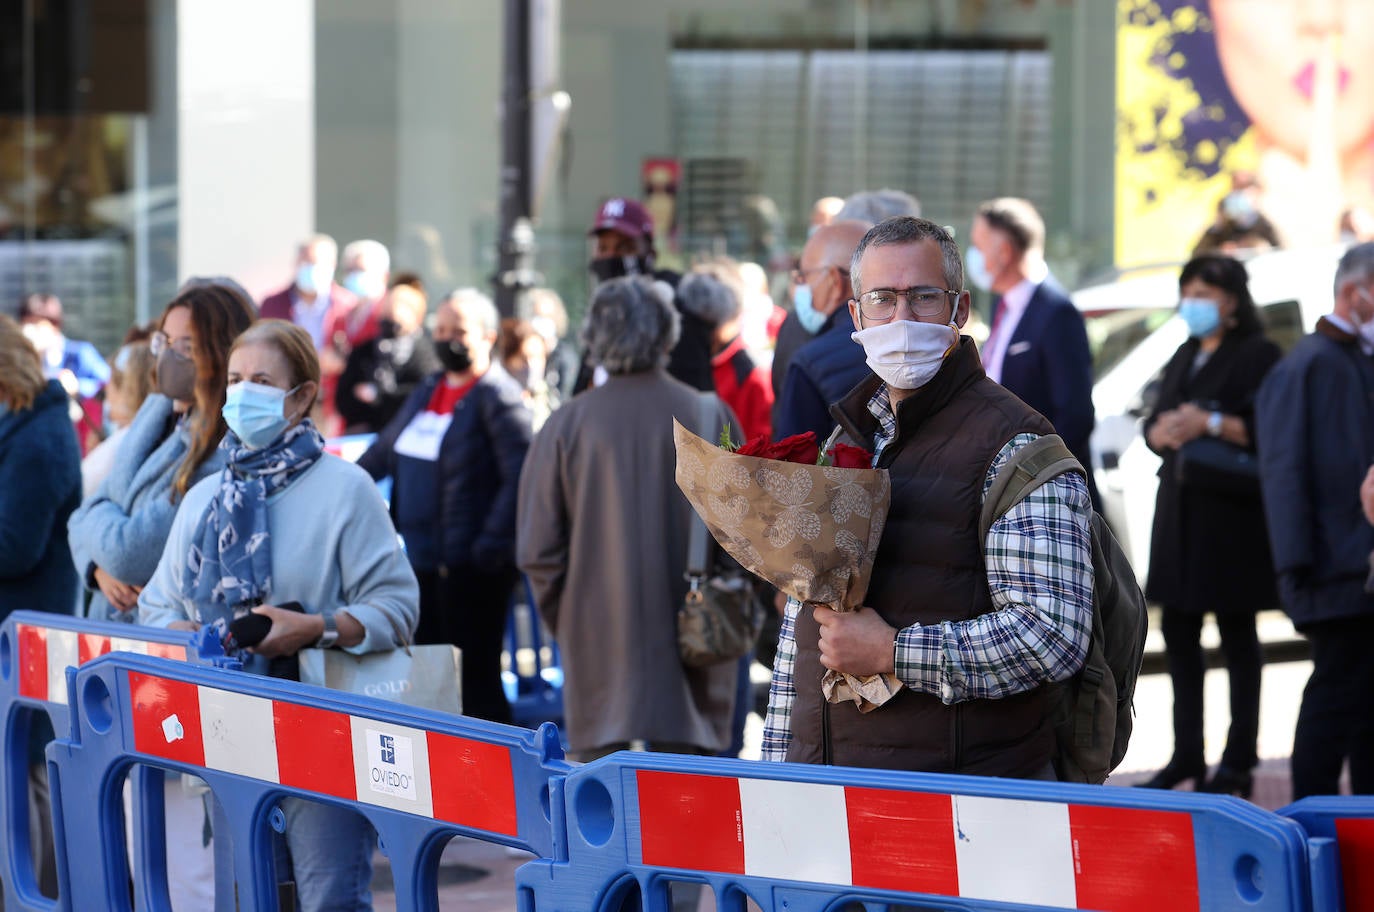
(799, 275)
(160, 343)
(881, 304)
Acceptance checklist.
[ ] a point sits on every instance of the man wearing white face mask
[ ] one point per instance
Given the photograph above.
(1315, 430)
(972, 640)
(1038, 345)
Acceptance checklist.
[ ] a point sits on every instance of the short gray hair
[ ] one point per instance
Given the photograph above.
(372, 250)
(706, 296)
(631, 325)
(1356, 265)
(874, 206)
(476, 304)
(324, 242)
(908, 230)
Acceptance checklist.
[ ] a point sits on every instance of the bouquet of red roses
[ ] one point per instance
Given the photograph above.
(803, 518)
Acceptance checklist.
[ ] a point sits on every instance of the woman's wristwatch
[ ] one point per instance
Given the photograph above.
(331, 631)
(1214, 424)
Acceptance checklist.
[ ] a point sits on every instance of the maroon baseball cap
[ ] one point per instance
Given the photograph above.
(625, 215)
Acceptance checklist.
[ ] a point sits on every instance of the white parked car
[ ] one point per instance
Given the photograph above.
(1134, 333)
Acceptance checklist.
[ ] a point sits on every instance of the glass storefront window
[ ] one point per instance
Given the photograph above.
(77, 108)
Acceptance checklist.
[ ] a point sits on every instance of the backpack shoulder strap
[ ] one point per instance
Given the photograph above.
(1043, 459)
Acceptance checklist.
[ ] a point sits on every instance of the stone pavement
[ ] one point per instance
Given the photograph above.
(480, 877)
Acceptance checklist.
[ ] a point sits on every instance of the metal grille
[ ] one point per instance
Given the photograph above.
(952, 127)
(90, 276)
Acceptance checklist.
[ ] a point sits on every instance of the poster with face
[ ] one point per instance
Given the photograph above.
(1241, 124)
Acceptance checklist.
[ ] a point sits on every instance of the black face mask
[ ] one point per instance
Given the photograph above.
(388, 329)
(454, 356)
(607, 268)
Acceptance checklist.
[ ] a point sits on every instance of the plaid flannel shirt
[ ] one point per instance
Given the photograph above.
(1040, 574)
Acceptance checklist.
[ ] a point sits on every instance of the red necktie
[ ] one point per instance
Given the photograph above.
(999, 311)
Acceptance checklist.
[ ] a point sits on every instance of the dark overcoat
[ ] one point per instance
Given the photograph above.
(1315, 416)
(1209, 550)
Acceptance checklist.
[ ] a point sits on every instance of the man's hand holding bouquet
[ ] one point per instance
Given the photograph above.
(804, 519)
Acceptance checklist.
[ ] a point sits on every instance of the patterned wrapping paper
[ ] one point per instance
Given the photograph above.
(811, 531)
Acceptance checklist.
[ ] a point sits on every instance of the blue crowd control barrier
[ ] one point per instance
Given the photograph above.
(418, 777)
(806, 838)
(36, 650)
(1347, 880)
(533, 681)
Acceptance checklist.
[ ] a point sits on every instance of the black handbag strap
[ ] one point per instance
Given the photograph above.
(697, 534)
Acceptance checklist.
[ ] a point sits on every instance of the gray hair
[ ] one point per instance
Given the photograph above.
(706, 296)
(374, 251)
(908, 230)
(1017, 219)
(631, 325)
(874, 206)
(1356, 265)
(476, 304)
(322, 241)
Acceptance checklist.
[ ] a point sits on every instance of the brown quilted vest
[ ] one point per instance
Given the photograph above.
(929, 569)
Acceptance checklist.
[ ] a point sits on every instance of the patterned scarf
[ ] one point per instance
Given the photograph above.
(230, 562)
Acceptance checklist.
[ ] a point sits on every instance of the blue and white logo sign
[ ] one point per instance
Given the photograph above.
(391, 764)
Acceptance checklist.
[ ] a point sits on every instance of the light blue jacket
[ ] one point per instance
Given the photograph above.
(123, 526)
(333, 548)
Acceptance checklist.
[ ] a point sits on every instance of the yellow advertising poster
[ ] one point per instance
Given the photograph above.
(1241, 124)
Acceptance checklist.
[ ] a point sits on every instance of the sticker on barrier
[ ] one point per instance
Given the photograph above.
(36, 651)
(804, 838)
(414, 775)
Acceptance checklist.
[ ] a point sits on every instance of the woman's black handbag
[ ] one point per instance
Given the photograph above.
(1216, 465)
(720, 617)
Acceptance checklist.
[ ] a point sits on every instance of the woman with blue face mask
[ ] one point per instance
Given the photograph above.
(285, 522)
(118, 533)
(1210, 547)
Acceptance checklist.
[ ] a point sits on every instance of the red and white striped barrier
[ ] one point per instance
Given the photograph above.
(45, 654)
(1069, 856)
(802, 838)
(326, 753)
(1345, 824)
(418, 777)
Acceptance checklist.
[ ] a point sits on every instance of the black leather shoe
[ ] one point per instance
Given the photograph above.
(1228, 781)
(1175, 774)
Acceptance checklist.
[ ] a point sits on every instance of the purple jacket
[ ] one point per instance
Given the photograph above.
(341, 303)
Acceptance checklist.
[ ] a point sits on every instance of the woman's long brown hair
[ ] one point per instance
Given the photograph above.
(218, 314)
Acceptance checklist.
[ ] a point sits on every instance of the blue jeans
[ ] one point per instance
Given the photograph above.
(331, 857)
